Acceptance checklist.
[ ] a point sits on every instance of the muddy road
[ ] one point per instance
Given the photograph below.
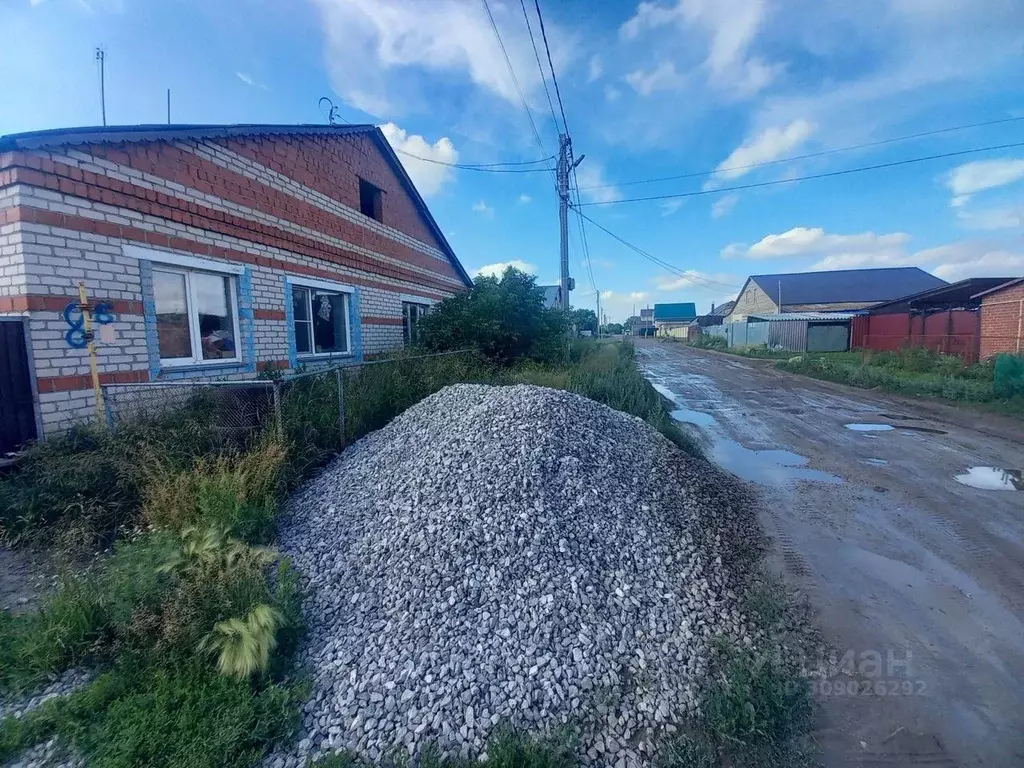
(917, 578)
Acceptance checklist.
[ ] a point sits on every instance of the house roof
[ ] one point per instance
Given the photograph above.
(846, 285)
(723, 309)
(813, 316)
(681, 312)
(551, 294)
(959, 293)
(995, 289)
(116, 134)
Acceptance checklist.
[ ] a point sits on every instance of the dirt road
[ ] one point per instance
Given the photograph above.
(918, 580)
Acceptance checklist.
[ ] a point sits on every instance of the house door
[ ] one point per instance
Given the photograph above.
(17, 413)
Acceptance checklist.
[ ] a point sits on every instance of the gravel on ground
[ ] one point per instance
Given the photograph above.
(514, 555)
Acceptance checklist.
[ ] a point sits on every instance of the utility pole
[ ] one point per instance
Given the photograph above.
(100, 55)
(598, 313)
(563, 215)
(565, 166)
(780, 297)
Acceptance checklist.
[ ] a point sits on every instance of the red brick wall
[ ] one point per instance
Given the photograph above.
(1001, 322)
(333, 166)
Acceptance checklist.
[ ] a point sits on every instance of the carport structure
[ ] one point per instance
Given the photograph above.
(807, 331)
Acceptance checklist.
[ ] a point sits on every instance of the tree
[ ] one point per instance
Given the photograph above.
(584, 320)
(504, 318)
(612, 329)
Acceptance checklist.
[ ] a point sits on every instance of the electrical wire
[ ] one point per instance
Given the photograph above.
(484, 167)
(515, 80)
(823, 153)
(554, 79)
(687, 274)
(830, 174)
(540, 67)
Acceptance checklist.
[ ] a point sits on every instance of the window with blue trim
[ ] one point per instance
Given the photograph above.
(320, 321)
(196, 316)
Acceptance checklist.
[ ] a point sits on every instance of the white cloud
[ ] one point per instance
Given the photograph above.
(770, 144)
(596, 68)
(692, 278)
(481, 206)
(724, 205)
(970, 178)
(671, 206)
(378, 50)
(1003, 217)
(730, 27)
(248, 80)
(815, 242)
(524, 199)
(594, 187)
(498, 269)
(958, 264)
(429, 177)
(611, 93)
(663, 77)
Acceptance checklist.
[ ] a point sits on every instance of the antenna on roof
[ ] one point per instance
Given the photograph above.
(330, 111)
(100, 56)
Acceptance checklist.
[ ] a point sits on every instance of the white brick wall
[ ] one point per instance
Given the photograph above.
(13, 281)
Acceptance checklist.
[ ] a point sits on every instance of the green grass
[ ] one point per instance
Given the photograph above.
(912, 372)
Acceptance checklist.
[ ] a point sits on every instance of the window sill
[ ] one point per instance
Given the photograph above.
(201, 367)
(307, 357)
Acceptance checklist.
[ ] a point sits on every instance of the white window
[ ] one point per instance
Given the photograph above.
(411, 314)
(196, 316)
(320, 318)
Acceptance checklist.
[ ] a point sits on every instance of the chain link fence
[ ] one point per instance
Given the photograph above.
(306, 408)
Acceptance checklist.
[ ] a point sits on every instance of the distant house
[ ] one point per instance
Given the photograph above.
(668, 317)
(840, 290)
(645, 327)
(1002, 318)
(552, 296)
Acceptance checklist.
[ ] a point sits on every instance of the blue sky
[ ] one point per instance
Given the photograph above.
(651, 89)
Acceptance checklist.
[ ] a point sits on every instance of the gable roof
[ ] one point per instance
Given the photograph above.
(846, 285)
(723, 309)
(551, 295)
(684, 311)
(116, 134)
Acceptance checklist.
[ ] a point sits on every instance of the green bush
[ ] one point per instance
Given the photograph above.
(707, 341)
(1008, 375)
(504, 319)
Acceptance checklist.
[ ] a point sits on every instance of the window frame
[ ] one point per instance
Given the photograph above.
(337, 289)
(196, 360)
(378, 200)
(423, 306)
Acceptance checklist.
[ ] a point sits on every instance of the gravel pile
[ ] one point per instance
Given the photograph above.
(518, 555)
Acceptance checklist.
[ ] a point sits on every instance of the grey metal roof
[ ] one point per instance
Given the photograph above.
(845, 285)
(723, 309)
(551, 294)
(807, 316)
(115, 134)
(1000, 287)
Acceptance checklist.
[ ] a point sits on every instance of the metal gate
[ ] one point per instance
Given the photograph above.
(834, 337)
(17, 413)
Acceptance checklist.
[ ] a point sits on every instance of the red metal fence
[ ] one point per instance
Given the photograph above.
(952, 332)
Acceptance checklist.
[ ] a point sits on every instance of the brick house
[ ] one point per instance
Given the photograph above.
(216, 250)
(1002, 319)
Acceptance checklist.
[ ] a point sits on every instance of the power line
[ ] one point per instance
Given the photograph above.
(554, 79)
(687, 274)
(540, 67)
(794, 158)
(830, 174)
(485, 167)
(515, 80)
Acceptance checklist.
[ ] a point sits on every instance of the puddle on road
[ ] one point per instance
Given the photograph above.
(699, 418)
(874, 462)
(992, 479)
(870, 427)
(767, 467)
